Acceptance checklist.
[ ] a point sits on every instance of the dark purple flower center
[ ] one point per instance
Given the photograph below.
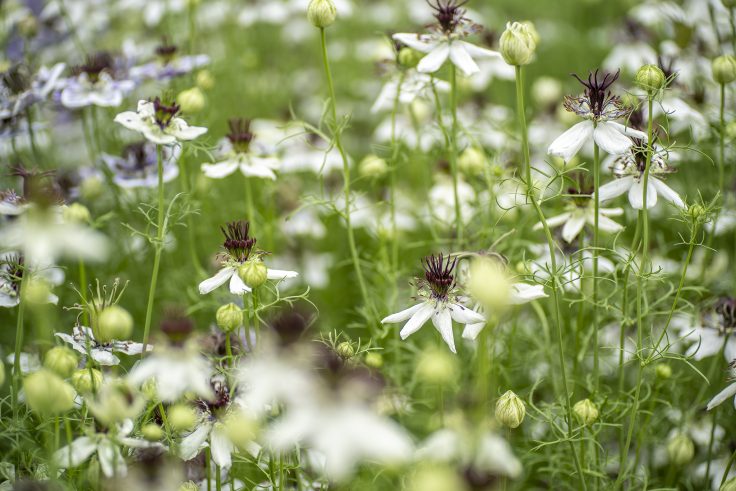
(238, 243)
(166, 51)
(726, 308)
(95, 65)
(449, 13)
(164, 113)
(17, 78)
(438, 271)
(240, 135)
(596, 91)
(12, 270)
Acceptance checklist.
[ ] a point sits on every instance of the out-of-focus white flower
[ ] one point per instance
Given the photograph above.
(20, 89)
(238, 152)
(137, 167)
(159, 123)
(12, 269)
(95, 84)
(578, 216)
(82, 339)
(408, 87)
(707, 336)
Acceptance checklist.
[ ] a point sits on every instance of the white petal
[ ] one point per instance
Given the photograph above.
(279, 274)
(462, 59)
(553, 221)
(729, 391)
(219, 279)
(477, 51)
(667, 192)
(111, 461)
(131, 120)
(401, 316)
(608, 225)
(630, 132)
(571, 141)
(615, 188)
(636, 195)
(219, 170)
(573, 227)
(75, 453)
(435, 59)
(221, 448)
(610, 139)
(523, 293)
(471, 331)
(413, 41)
(464, 315)
(417, 320)
(191, 444)
(104, 357)
(237, 286)
(443, 323)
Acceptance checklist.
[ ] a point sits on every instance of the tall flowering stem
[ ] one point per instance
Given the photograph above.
(596, 244)
(158, 248)
(345, 169)
(526, 161)
(17, 375)
(453, 153)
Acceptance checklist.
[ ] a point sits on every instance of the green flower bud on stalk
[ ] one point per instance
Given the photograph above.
(663, 371)
(205, 80)
(680, 449)
(86, 380)
(37, 291)
(77, 213)
(47, 394)
(409, 58)
(152, 432)
(472, 161)
(91, 189)
(586, 412)
(229, 317)
(191, 100)
(61, 360)
(253, 273)
(650, 78)
(510, 410)
(114, 323)
(373, 167)
(345, 350)
(181, 417)
(518, 43)
(373, 359)
(321, 13)
(724, 69)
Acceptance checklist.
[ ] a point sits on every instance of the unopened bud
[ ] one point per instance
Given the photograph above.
(724, 69)
(680, 449)
(663, 371)
(114, 323)
(205, 80)
(510, 410)
(472, 161)
(61, 360)
(229, 317)
(651, 78)
(518, 43)
(373, 167)
(191, 100)
(586, 412)
(345, 350)
(373, 359)
(87, 380)
(76, 213)
(47, 394)
(152, 432)
(321, 13)
(181, 417)
(253, 273)
(409, 58)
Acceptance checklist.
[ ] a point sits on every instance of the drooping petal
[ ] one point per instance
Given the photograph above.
(464, 315)
(477, 51)
(636, 195)
(729, 391)
(472, 331)
(571, 141)
(75, 453)
(628, 131)
(443, 323)
(615, 188)
(111, 460)
(610, 139)
(554, 221)
(221, 447)
(461, 59)
(237, 286)
(573, 227)
(435, 59)
(667, 192)
(523, 293)
(608, 225)
(401, 316)
(413, 41)
(280, 274)
(190, 444)
(218, 280)
(417, 320)
(219, 170)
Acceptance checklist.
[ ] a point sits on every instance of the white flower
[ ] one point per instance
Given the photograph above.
(438, 303)
(729, 391)
(577, 217)
(101, 90)
(412, 85)
(83, 340)
(20, 90)
(159, 123)
(519, 293)
(629, 170)
(707, 337)
(137, 167)
(11, 275)
(106, 446)
(239, 152)
(176, 371)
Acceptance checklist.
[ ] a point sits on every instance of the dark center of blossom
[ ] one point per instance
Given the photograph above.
(176, 326)
(596, 91)
(95, 65)
(37, 187)
(726, 308)
(137, 156)
(164, 113)
(12, 270)
(17, 78)
(240, 135)
(221, 399)
(640, 154)
(667, 65)
(238, 243)
(166, 51)
(438, 271)
(449, 13)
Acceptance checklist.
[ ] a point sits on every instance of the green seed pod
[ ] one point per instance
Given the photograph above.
(586, 412)
(680, 449)
(345, 350)
(229, 317)
(253, 273)
(76, 213)
(47, 394)
(321, 13)
(114, 323)
(373, 167)
(152, 432)
(61, 360)
(650, 78)
(409, 58)
(181, 417)
(191, 100)
(724, 69)
(510, 410)
(86, 380)
(663, 371)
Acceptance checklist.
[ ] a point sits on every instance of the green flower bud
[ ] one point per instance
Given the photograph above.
(321, 13)
(373, 167)
(91, 189)
(345, 350)
(586, 412)
(650, 78)
(205, 80)
(510, 410)
(724, 69)
(229, 317)
(680, 449)
(191, 100)
(76, 213)
(115, 402)
(518, 43)
(87, 380)
(152, 432)
(436, 366)
(409, 58)
(472, 161)
(189, 486)
(373, 359)
(697, 212)
(663, 371)
(239, 428)
(114, 323)
(181, 417)
(61, 360)
(253, 273)
(47, 394)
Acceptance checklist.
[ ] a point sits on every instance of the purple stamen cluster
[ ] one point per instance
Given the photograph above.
(438, 272)
(164, 113)
(13, 270)
(95, 65)
(166, 51)
(596, 91)
(240, 135)
(726, 308)
(449, 13)
(238, 243)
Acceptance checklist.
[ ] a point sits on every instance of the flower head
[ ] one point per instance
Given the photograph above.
(597, 102)
(238, 243)
(159, 122)
(449, 14)
(438, 276)
(236, 151)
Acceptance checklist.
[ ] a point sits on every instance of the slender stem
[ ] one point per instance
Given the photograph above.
(710, 445)
(553, 264)
(453, 154)
(19, 332)
(158, 248)
(392, 184)
(249, 207)
(596, 244)
(83, 290)
(345, 170)
(728, 469)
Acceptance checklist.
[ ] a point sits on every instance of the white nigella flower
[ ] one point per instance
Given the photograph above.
(11, 275)
(438, 301)
(237, 152)
(629, 171)
(707, 337)
(518, 294)
(94, 84)
(445, 40)
(83, 340)
(729, 391)
(159, 123)
(137, 167)
(107, 447)
(241, 262)
(411, 84)
(168, 65)
(11, 203)
(19, 89)
(599, 109)
(581, 212)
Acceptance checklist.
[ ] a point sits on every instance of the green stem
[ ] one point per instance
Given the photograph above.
(19, 332)
(453, 154)
(596, 244)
